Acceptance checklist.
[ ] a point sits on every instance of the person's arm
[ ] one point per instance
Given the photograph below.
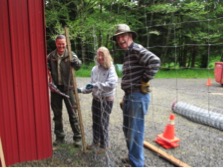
(84, 90)
(75, 61)
(110, 83)
(48, 62)
(151, 62)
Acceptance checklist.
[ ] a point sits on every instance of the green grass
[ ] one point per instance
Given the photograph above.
(186, 73)
(85, 71)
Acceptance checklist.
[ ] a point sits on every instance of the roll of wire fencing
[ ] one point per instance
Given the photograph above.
(199, 115)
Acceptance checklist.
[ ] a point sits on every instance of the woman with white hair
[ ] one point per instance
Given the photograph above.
(102, 86)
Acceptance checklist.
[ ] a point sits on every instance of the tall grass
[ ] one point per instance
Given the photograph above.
(85, 71)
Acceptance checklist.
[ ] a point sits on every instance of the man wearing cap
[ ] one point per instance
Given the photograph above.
(139, 67)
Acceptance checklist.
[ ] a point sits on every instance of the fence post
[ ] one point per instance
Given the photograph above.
(76, 93)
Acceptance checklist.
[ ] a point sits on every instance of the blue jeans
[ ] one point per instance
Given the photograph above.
(135, 106)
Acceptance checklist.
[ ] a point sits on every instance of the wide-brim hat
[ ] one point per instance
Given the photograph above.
(121, 29)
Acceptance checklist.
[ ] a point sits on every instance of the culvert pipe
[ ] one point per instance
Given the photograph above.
(198, 114)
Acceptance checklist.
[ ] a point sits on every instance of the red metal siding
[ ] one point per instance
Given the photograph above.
(24, 102)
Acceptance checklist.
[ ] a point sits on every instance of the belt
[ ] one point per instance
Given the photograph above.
(127, 92)
(110, 98)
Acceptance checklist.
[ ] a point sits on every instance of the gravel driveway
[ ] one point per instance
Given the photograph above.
(200, 145)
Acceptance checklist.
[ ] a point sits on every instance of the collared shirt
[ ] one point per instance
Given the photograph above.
(60, 57)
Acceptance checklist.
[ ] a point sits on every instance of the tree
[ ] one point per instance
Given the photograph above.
(180, 32)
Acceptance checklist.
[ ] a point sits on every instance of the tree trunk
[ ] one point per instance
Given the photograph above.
(150, 24)
(83, 51)
(168, 37)
(204, 61)
(193, 56)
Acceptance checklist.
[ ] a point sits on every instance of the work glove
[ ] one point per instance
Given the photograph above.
(76, 63)
(145, 87)
(89, 86)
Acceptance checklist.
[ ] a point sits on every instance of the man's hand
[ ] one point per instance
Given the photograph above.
(145, 87)
(76, 63)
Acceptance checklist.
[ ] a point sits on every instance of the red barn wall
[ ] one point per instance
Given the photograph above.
(25, 127)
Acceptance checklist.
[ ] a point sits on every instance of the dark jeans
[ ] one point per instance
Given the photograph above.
(56, 105)
(101, 110)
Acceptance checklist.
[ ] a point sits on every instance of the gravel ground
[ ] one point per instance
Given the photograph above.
(200, 145)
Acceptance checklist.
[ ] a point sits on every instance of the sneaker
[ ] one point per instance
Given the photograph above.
(101, 151)
(145, 165)
(126, 162)
(92, 146)
(78, 142)
(58, 142)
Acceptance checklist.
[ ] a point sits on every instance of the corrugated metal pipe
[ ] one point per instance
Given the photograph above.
(199, 115)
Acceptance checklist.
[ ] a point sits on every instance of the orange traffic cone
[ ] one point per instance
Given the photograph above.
(168, 139)
(209, 82)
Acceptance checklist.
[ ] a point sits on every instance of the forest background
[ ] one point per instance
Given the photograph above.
(185, 34)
